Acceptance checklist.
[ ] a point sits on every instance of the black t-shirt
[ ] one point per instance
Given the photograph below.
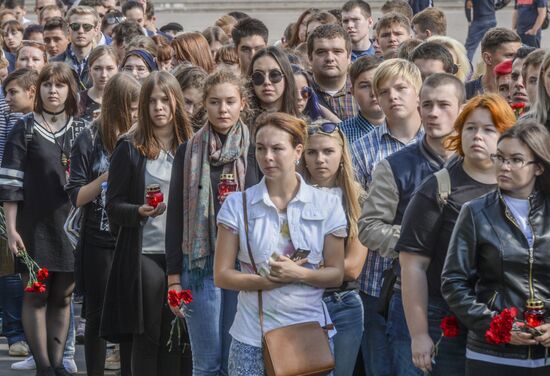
(426, 228)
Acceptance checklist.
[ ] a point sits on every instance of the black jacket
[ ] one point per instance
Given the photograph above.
(123, 306)
(487, 267)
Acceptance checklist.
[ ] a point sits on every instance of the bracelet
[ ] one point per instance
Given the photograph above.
(173, 284)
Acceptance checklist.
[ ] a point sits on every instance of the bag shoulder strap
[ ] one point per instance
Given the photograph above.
(251, 256)
(443, 186)
(29, 128)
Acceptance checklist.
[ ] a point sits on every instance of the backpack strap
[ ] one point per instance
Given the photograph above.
(443, 186)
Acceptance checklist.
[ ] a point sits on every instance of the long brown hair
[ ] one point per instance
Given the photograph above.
(143, 137)
(194, 48)
(61, 73)
(115, 119)
(295, 37)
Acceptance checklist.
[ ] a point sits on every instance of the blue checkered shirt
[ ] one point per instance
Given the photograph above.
(366, 153)
(356, 127)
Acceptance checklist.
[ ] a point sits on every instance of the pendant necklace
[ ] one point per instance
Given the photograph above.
(63, 159)
(53, 114)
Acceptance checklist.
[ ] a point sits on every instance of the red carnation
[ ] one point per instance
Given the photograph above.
(449, 326)
(173, 298)
(29, 289)
(500, 330)
(39, 287)
(42, 274)
(186, 296)
(518, 105)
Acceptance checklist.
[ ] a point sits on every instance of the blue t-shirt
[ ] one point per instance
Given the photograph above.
(527, 13)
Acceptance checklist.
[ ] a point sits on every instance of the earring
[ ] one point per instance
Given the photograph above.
(297, 162)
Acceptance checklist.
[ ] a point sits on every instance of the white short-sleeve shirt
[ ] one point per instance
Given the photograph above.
(310, 216)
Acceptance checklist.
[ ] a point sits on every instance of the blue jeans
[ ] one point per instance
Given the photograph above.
(11, 301)
(476, 31)
(531, 40)
(346, 311)
(451, 356)
(211, 314)
(399, 339)
(375, 347)
(70, 344)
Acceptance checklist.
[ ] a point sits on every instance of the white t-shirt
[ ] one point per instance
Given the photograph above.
(157, 171)
(520, 210)
(310, 216)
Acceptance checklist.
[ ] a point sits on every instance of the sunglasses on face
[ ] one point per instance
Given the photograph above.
(275, 76)
(305, 93)
(327, 128)
(75, 26)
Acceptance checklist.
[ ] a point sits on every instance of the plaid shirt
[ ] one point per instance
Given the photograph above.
(366, 153)
(356, 127)
(342, 104)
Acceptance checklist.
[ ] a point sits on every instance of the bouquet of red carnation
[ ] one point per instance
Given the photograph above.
(500, 329)
(178, 300)
(518, 108)
(449, 329)
(37, 275)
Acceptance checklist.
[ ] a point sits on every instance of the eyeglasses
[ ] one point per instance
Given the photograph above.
(112, 20)
(327, 128)
(305, 93)
(275, 76)
(75, 26)
(515, 163)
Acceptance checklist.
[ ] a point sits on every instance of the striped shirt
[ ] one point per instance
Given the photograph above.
(341, 103)
(366, 153)
(356, 127)
(7, 121)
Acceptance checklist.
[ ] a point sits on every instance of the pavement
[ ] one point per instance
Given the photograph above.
(276, 21)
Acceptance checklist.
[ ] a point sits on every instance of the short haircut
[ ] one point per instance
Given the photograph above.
(12, 4)
(497, 36)
(399, 6)
(432, 19)
(248, 27)
(523, 51)
(439, 79)
(337, 13)
(129, 5)
(238, 15)
(329, 31)
(227, 54)
(533, 59)
(392, 18)
(397, 68)
(56, 23)
(25, 78)
(91, 3)
(125, 31)
(49, 8)
(149, 10)
(407, 47)
(434, 51)
(190, 76)
(363, 6)
(361, 65)
(82, 11)
(34, 28)
(172, 26)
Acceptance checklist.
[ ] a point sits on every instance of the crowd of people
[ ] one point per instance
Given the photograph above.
(364, 174)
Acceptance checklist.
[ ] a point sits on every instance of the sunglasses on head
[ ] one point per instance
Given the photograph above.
(275, 76)
(75, 26)
(112, 20)
(327, 128)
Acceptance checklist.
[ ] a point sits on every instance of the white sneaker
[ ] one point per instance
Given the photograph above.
(26, 364)
(70, 365)
(29, 364)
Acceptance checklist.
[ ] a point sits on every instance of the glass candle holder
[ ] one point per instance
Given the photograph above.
(227, 185)
(534, 313)
(154, 195)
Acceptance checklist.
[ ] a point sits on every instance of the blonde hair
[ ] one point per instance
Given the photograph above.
(353, 193)
(539, 110)
(394, 68)
(81, 10)
(458, 49)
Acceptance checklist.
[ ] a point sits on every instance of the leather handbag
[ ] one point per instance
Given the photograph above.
(293, 350)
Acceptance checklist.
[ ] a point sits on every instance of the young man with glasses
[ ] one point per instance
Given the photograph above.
(83, 28)
(370, 114)
(329, 51)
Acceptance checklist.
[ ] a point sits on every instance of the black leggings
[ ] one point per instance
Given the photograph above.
(477, 368)
(150, 355)
(46, 317)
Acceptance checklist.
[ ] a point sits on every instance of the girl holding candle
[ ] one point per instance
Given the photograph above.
(89, 170)
(499, 255)
(34, 171)
(135, 306)
(221, 146)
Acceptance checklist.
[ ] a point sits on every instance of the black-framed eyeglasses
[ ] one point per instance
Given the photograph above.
(275, 76)
(327, 128)
(515, 163)
(75, 26)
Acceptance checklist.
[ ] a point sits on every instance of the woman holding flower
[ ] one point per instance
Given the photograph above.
(498, 260)
(135, 299)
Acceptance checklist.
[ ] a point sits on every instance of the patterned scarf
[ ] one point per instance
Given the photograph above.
(199, 220)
